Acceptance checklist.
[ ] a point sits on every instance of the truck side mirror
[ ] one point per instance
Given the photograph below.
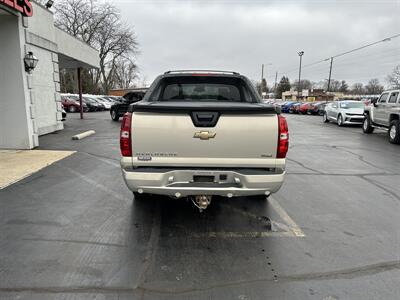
(374, 101)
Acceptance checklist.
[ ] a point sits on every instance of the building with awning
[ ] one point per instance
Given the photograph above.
(30, 103)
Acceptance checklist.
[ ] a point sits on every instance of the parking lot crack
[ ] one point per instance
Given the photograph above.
(396, 196)
(360, 157)
(349, 273)
(346, 273)
(305, 167)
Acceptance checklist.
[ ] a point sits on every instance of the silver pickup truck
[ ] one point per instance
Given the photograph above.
(384, 113)
(202, 133)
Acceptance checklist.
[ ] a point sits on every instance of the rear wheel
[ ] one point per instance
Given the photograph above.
(367, 128)
(394, 132)
(72, 109)
(340, 120)
(325, 118)
(114, 115)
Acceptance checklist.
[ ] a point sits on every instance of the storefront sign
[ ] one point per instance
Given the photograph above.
(22, 6)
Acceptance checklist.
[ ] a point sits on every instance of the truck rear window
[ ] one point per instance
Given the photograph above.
(203, 88)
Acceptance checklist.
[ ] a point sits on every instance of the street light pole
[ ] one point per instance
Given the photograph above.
(301, 53)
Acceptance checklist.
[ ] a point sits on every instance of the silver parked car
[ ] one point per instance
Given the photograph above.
(344, 112)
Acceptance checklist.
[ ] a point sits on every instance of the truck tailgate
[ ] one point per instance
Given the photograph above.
(236, 140)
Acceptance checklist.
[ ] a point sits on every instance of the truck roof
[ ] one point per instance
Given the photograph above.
(201, 73)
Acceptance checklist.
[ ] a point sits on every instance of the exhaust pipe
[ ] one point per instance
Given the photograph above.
(201, 201)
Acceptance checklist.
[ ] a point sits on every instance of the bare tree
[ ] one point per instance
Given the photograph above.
(374, 87)
(125, 72)
(334, 85)
(305, 84)
(394, 78)
(357, 88)
(344, 87)
(100, 26)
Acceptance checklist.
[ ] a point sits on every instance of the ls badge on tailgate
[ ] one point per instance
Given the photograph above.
(204, 135)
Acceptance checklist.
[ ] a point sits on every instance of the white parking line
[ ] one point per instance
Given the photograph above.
(285, 217)
(293, 230)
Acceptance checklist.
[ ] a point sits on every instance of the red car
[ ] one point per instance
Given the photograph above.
(72, 105)
(305, 107)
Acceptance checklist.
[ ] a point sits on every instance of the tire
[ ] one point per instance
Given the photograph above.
(325, 118)
(340, 120)
(114, 115)
(72, 109)
(394, 132)
(367, 128)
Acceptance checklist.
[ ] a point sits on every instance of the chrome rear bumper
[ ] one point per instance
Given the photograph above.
(183, 182)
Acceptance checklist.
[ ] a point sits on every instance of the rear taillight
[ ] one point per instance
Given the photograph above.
(125, 135)
(283, 137)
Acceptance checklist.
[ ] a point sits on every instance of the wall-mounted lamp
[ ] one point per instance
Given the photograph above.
(49, 4)
(30, 61)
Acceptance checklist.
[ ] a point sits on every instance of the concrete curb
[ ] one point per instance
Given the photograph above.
(83, 135)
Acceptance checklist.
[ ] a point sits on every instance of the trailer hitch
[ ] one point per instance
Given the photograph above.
(201, 201)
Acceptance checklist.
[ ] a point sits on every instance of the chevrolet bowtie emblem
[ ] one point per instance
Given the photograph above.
(204, 135)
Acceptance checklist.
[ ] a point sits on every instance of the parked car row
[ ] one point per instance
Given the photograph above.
(90, 103)
(381, 112)
(310, 108)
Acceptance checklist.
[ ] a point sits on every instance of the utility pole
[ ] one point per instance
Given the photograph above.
(301, 53)
(276, 78)
(262, 77)
(330, 74)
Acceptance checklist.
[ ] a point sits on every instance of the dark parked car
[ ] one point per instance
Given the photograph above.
(317, 108)
(121, 107)
(286, 106)
(294, 109)
(91, 104)
(100, 104)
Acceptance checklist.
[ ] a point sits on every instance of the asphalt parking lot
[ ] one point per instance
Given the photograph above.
(73, 230)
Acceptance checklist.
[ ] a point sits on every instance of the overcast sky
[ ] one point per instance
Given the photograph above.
(241, 35)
